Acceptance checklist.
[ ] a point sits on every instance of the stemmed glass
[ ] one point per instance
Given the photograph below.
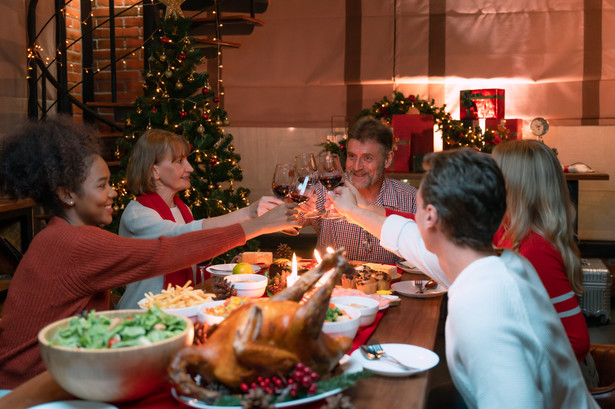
(330, 175)
(283, 178)
(306, 176)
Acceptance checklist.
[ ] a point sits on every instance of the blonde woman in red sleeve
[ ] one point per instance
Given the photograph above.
(539, 225)
(72, 263)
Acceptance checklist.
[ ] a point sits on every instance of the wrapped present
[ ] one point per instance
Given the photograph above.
(513, 128)
(413, 138)
(482, 103)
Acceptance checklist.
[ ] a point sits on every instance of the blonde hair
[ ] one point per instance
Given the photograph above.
(538, 199)
(152, 147)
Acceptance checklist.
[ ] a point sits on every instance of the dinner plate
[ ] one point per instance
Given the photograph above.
(411, 355)
(349, 364)
(406, 266)
(75, 404)
(4, 392)
(227, 269)
(407, 288)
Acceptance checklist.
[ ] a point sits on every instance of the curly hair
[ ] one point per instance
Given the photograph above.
(41, 156)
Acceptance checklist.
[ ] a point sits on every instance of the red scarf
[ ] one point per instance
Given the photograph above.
(154, 201)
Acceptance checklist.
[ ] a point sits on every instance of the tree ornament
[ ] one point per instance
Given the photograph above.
(168, 73)
(190, 78)
(163, 57)
(139, 110)
(116, 208)
(213, 160)
(181, 56)
(231, 148)
(128, 122)
(179, 85)
(166, 120)
(173, 8)
(154, 110)
(117, 154)
(149, 74)
(226, 122)
(211, 187)
(218, 122)
(206, 116)
(183, 114)
(200, 129)
(205, 90)
(165, 95)
(165, 40)
(216, 100)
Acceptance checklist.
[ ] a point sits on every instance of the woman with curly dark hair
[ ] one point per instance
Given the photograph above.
(72, 263)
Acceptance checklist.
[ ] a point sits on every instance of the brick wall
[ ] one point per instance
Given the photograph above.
(73, 53)
(129, 39)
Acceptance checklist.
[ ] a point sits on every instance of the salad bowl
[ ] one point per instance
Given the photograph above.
(111, 374)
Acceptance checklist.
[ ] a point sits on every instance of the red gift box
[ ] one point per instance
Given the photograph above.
(413, 138)
(482, 103)
(512, 127)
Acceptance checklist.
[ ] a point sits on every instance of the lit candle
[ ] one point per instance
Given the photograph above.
(293, 277)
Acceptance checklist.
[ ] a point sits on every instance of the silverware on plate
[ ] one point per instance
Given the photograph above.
(376, 352)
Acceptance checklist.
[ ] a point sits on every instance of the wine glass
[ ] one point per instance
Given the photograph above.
(330, 175)
(283, 177)
(305, 165)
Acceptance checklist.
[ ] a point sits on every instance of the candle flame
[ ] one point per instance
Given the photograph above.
(293, 277)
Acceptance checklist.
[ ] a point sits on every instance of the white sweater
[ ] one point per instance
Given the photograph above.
(505, 345)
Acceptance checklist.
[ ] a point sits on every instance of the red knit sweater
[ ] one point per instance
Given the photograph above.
(68, 269)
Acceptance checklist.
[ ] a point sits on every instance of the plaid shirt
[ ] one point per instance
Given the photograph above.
(361, 245)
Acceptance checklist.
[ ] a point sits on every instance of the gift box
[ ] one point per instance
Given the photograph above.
(413, 138)
(513, 128)
(482, 103)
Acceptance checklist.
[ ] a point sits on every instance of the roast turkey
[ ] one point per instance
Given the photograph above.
(266, 337)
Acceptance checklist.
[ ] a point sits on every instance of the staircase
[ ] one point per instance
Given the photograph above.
(106, 88)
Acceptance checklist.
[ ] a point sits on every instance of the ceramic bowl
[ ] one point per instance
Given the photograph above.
(346, 328)
(111, 375)
(368, 307)
(189, 312)
(248, 285)
(210, 319)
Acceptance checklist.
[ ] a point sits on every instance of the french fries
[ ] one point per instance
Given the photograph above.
(176, 297)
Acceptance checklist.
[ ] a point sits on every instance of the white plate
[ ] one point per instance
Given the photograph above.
(349, 364)
(4, 392)
(227, 269)
(408, 289)
(75, 404)
(407, 267)
(411, 355)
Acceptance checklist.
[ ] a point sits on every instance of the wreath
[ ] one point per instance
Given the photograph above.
(455, 133)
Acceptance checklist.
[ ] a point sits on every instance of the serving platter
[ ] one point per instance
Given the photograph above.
(227, 269)
(348, 363)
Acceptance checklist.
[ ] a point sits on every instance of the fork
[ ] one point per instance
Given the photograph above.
(419, 285)
(380, 353)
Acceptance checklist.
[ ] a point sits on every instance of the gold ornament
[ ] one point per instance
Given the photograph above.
(166, 120)
(139, 110)
(231, 148)
(190, 78)
(168, 73)
(117, 153)
(218, 122)
(173, 8)
(163, 57)
(200, 129)
(128, 122)
(179, 85)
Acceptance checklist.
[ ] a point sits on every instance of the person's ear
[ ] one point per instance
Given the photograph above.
(155, 173)
(431, 216)
(388, 159)
(66, 196)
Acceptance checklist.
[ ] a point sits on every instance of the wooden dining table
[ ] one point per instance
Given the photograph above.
(415, 321)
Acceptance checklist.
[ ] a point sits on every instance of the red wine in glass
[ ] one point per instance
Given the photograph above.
(330, 182)
(280, 191)
(298, 198)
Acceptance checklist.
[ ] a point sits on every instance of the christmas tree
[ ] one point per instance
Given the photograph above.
(179, 99)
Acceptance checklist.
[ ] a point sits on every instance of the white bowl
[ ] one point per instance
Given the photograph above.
(111, 375)
(210, 319)
(248, 285)
(347, 328)
(188, 312)
(368, 307)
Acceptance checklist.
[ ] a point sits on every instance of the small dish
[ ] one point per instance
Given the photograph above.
(227, 269)
(248, 285)
(411, 355)
(368, 307)
(407, 289)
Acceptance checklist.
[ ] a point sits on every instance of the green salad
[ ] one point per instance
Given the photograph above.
(100, 332)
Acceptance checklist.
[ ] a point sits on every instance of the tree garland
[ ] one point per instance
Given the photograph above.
(455, 133)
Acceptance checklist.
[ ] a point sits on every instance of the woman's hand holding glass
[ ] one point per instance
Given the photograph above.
(330, 175)
(283, 178)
